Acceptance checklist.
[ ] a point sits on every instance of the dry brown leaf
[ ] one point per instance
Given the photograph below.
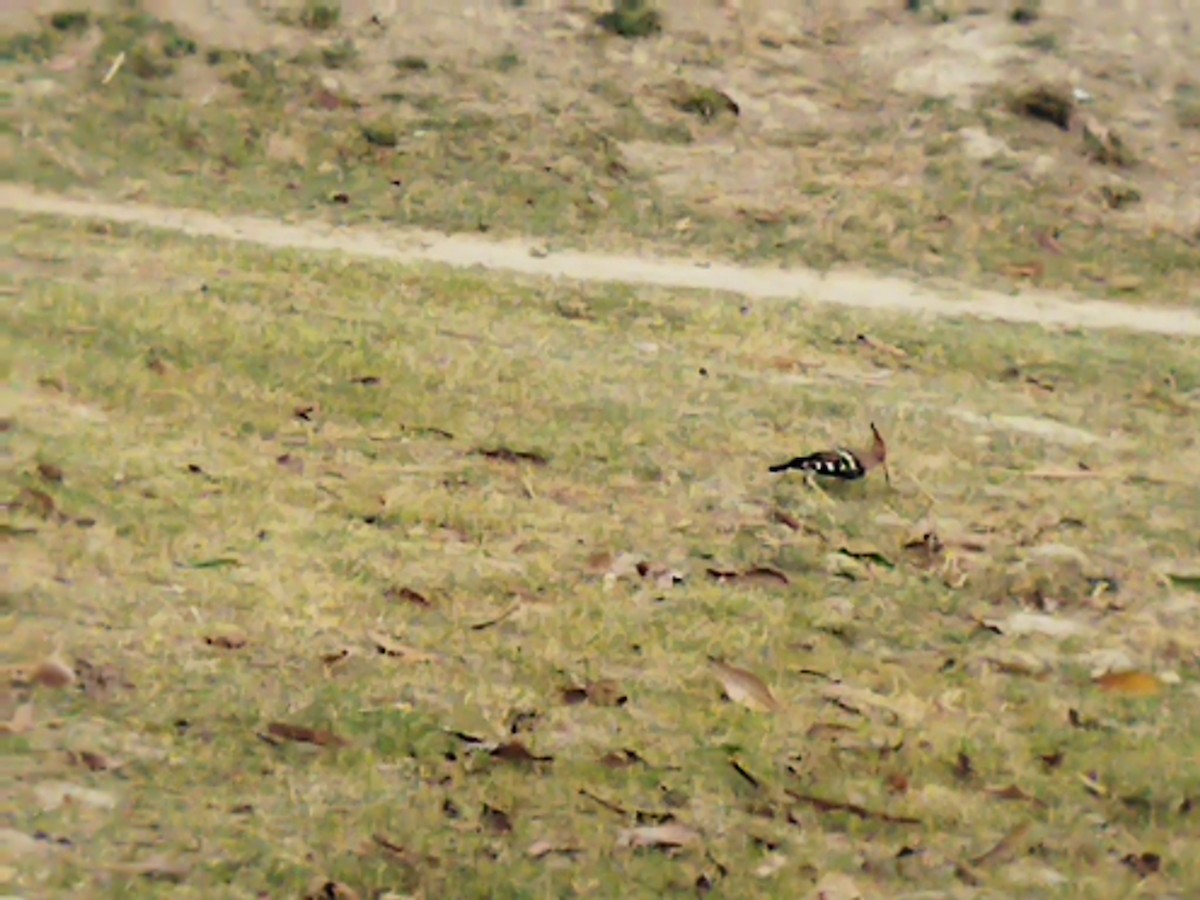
(1008, 848)
(304, 735)
(620, 759)
(1031, 271)
(290, 463)
(155, 868)
(603, 692)
(387, 647)
(50, 472)
(539, 849)
(52, 795)
(1143, 864)
(517, 752)
(39, 503)
(406, 595)
(53, 673)
(761, 575)
(743, 687)
(22, 720)
(496, 620)
(1130, 684)
(332, 890)
(1013, 792)
(495, 820)
(94, 762)
(508, 455)
(861, 812)
(670, 835)
(99, 681)
(225, 641)
(837, 886)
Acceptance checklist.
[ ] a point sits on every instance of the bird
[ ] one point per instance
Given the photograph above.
(841, 463)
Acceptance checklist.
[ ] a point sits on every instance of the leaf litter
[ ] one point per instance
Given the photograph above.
(278, 732)
(744, 687)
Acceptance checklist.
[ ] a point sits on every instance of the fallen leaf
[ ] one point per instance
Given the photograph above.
(505, 454)
(1023, 623)
(607, 804)
(1049, 243)
(873, 556)
(964, 769)
(305, 735)
(93, 762)
(1143, 864)
(1130, 684)
(480, 626)
(365, 380)
(783, 517)
(1013, 792)
(22, 720)
(658, 837)
(387, 647)
(772, 863)
(604, 692)
(406, 595)
(1051, 760)
(837, 886)
(53, 673)
(52, 795)
(745, 774)
(539, 849)
(50, 472)
(620, 759)
(882, 346)
(155, 868)
(395, 851)
(824, 805)
(1006, 849)
(39, 503)
(1077, 720)
(305, 412)
(293, 464)
(1031, 271)
(336, 658)
(99, 681)
(516, 752)
(1093, 785)
(225, 641)
(761, 575)
(495, 820)
(743, 687)
(332, 890)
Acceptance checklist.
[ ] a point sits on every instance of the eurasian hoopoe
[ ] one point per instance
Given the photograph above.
(841, 463)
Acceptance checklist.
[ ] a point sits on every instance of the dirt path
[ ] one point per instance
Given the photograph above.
(862, 291)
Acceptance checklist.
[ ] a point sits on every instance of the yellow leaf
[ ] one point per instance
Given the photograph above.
(1130, 684)
(744, 687)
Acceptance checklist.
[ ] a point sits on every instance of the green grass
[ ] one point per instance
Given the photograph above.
(257, 451)
(472, 154)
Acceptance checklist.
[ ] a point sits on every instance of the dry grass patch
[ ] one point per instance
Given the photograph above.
(404, 580)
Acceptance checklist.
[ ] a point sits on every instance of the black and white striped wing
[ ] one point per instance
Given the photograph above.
(840, 464)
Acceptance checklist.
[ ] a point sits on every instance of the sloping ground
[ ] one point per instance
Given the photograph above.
(832, 135)
(332, 577)
(531, 258)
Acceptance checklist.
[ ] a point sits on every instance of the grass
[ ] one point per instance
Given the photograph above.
(234, 475)
(893, 193)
